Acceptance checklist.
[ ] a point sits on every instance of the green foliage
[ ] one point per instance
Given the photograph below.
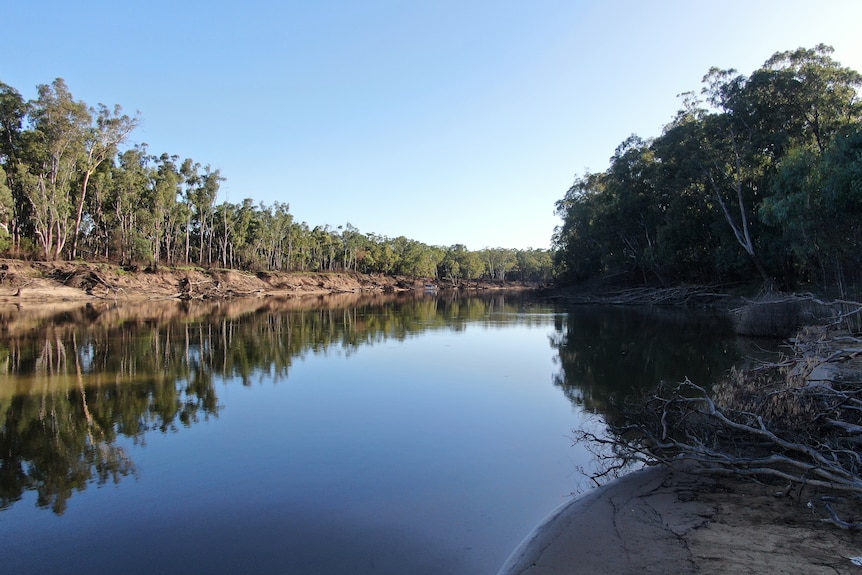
(766, 184)
(67, 186)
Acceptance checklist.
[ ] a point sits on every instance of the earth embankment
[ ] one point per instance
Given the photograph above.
(24, 280)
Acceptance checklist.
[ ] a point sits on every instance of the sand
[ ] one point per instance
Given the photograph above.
(669, 522)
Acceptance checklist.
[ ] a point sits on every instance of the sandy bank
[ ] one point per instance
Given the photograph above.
(76, 281)
(670, 522)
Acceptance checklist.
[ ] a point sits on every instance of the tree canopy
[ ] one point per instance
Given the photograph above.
(756, 178)
(72, 187)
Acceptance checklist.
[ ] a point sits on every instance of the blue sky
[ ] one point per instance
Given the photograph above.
(443, 121)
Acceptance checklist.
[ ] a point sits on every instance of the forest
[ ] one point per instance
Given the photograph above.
(757, 179)
(72, 188)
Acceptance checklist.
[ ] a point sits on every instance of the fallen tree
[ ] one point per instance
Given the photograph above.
(795, 423)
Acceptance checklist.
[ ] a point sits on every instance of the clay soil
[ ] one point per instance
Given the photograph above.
(67, 281)
(753, 529)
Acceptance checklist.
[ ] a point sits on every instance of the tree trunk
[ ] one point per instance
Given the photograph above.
(79, 213)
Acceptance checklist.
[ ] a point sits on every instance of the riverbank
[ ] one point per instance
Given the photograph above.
(666, 521)
(658, 521)
(65, 281)
(684, 520)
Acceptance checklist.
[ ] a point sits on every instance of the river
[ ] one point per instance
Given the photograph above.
(409, 434)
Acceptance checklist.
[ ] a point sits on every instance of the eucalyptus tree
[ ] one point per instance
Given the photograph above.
(817, 206)
(694, 240)
(96, 230)
(273, 235)
(128, 202)
(7, 209)
(326, 245)
(458, 263)
(497, 262)
(730, 162)
(201, 187)
(101, 141)
(301, 243)
(161, 196)
(800, 97)
(354, 251)
(189, 182)
(224, 229)
(577, 246)
(423, 260)
(841, 176)
(13, 112)
(210, 183)
(639, 204)
(757, 177)
(55, 145)
(797, 99)
(535, 265)
(381, 253)
(816, 119)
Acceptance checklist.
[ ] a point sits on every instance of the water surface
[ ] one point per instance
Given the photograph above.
(421, 435)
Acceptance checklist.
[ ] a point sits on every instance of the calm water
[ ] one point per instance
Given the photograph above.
(397, 435)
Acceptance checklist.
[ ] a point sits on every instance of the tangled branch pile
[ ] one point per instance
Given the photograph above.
(673, 296)
(797, 422)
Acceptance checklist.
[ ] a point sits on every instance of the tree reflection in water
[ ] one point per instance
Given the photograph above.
(75, 379)
(607, 354)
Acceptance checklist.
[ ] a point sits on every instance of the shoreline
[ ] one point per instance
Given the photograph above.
(613, 528)
(667, 521)
(62, 281)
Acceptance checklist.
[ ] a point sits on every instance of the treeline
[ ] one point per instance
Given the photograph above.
(756, 178)
(71, 188)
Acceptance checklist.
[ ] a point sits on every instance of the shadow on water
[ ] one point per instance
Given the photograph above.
(609, 353)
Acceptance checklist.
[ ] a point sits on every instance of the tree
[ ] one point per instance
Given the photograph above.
(101, 141)
(634, 209)
(816, 205)
(497, 262)
(7, 207)
(57, 142)
(729, 159)
(459, 263)
(273, 233)
(801, 97)
(534, 265)
(796, 100)
(13, 111)
(162, 198)
(127, 201)
(354, 247)
(733, 185)
(578, 249)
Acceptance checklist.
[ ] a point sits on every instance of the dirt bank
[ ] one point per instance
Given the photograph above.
(20, 280)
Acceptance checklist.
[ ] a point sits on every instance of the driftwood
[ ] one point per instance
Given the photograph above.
(686, 423)
(796, 422)
(86, 279)
(672, 296)
(781, 315)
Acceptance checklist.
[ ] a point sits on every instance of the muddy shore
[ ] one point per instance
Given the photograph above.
(666, 522)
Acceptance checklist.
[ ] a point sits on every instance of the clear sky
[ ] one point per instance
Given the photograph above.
(446, 121)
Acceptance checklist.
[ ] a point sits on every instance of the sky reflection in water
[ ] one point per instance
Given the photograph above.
(409, 436)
